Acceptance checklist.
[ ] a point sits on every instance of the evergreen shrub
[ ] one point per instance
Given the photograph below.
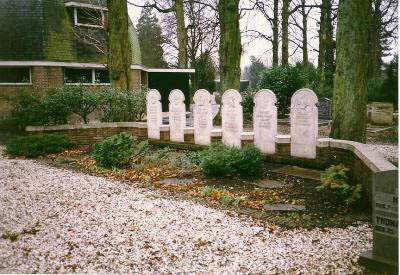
(220, 160)
(35, 146)
(118, 151)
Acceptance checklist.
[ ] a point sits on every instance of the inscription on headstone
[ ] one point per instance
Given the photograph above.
(154, 114)
(232, 118)
(304, 124)
(265, 121)
(385, 250)
(177, 115)
(385, 215)
(202, 117)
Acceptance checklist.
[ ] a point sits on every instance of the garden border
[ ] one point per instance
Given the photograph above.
(362, 161)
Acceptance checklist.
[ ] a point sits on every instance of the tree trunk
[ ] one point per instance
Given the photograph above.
(230, 47)
(305, 39)
(119, 46)
(326, 55)
(275, 29)
(181, 33)
(351, 78)
(285, 32)
(375, 47)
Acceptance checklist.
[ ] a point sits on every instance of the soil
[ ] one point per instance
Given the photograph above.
(323, 208)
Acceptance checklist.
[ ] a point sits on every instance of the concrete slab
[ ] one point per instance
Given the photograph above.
(299, 172)
(284, 207)
(269, 184)
(176, 181)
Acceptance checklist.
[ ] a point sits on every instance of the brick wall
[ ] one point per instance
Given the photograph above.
(136, 79)
(47, 77)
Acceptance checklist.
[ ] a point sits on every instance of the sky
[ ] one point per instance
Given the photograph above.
(261, 48)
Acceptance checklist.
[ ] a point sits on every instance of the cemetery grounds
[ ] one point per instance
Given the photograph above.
(175, 173)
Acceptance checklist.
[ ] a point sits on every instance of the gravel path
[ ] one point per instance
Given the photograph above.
(54, 220)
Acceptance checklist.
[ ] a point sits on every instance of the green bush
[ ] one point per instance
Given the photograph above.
(335, 178)
(220, 160)
(35, 146)
(283, 81)
(119, 105)
(80, 101)
(118, 151)
(248, 104)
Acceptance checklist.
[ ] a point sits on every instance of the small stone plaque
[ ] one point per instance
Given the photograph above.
(154, 114)
(202, 117)
(304, 124)
(177, 116)
(232, 118)
(177, 181)
(284, 207)
(265, 121)
(269, 184)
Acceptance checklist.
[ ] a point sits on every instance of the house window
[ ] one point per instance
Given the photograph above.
(89, 17)
(75, 76)
(15, 75)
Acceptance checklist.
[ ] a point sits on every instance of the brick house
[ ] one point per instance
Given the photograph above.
(49, 43)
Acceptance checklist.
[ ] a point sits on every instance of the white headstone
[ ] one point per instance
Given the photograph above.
(154, 114)
(232, 118)
(265, 121)
(202, 117)
(177, 116)
(304, 124)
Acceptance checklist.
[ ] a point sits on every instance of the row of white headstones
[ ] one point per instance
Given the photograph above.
(303, 119)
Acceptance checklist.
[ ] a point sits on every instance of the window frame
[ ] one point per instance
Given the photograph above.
(76, 23)
(18, 83)
(91, 83)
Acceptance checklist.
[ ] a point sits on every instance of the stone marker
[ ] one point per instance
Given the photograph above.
(304, 124)
(325, 108)
(385, 250)
(381, 113)
(177, 116)
(284, 207)
(265, 121)
(177, 181)
(232, 118)
(154, 114)
(269, 184)
(202, 117)
(299, 172)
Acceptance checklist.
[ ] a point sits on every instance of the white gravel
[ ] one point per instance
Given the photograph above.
(91, 224)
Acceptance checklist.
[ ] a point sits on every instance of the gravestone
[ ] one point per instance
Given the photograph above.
(325, 108)
(154, 114)
(177, 115)
(381, 113)
(265, 121)
(304, 124)
(232, 118)
(385, 250)
(202, 117)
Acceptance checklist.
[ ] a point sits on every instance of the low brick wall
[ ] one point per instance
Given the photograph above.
(362, 161)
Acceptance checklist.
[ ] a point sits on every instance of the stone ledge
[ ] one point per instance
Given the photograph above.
(247, 136)
(282, 139)
(375, 161)
(188, 130)
(164, 128)
(216, 132)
